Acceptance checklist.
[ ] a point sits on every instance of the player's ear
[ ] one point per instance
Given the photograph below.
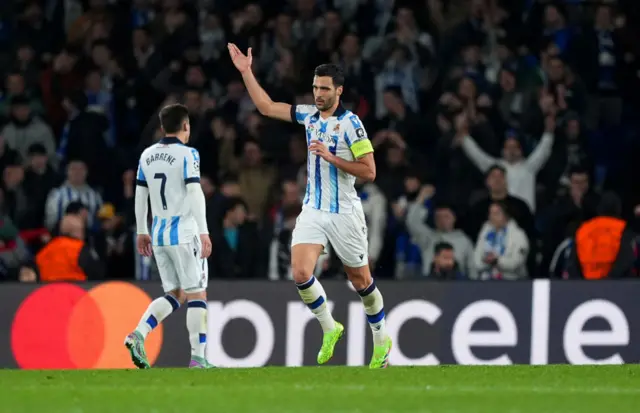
(339, 90)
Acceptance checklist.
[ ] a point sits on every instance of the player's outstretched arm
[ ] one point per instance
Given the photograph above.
(260, 98)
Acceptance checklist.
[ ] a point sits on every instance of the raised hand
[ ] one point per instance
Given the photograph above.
(241, 61)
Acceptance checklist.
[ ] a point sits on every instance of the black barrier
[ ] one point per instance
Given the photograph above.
(265, 323)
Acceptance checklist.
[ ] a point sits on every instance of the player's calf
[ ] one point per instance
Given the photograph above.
(197, 327)
(374, 309)
(303, 261)
(157, 311)
(304, 257)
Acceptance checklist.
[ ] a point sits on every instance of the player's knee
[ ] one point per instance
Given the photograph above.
(303, 261)
(195, 294)
(179, 295)
(301, 274)
(360, 277)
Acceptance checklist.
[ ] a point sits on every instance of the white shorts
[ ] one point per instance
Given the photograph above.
(347, 234)
(181, 267)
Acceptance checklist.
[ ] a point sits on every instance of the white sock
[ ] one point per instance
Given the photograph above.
(197, 327)
(157, 311)
(314, 297)
(374, 308)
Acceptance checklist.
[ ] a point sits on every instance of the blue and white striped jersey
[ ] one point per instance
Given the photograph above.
(328, 188)
(166, 168)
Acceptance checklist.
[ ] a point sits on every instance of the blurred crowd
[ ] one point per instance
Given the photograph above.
(501, 128)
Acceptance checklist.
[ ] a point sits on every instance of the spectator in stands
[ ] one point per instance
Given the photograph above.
(236, 253)
(13, 253)
(67, 257)
(7, 155)
(571, 209)
(280, 248)
(40, 178)
(75, 188)
(428, 238)
(456, 176)
(570, 152)
(554, 29)
(600, 59)
(566, 89)
(374, 205)
(502, 247)
(521, 171)
(15, 86)
(400, 71)
(228, 188)
(358, 74)
(399, 118)
(85, 138)
(444, 265)
(256, 180)
(497, 186)
(278, 227)
(604, 245)
(16, 203)
(25, 129)
(561, 259)
(77, 209)
(56, 82)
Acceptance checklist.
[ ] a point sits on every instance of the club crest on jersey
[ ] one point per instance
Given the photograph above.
(336, 128)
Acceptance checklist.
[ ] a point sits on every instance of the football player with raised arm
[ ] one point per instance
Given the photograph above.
(339, 152)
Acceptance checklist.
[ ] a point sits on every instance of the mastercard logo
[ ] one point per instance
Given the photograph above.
(64, 326)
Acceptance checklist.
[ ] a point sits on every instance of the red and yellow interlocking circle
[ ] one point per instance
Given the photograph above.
(64, 326)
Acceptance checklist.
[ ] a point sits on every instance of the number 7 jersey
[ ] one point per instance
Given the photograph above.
(166, 168)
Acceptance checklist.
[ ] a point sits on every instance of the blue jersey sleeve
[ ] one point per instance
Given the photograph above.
(357, 139)
(299, 113)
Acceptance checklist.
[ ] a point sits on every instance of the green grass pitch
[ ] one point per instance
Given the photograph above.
(442, 389)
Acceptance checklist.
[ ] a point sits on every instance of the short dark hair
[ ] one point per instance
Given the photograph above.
(496, 167)
(75, 207)
(445, 205)
(503, 206)
(172, 116)
(578, 170)
(331, 70)
(442, 246)
(232, 203)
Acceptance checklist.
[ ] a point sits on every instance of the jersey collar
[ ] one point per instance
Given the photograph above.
(340, 110)
(167, 140)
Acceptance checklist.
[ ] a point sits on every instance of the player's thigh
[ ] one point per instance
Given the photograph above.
(194, 276)
(308, 241)
(166, 269)
(347, 234)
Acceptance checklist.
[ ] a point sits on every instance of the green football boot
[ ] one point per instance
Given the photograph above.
(200, 363)
(329, 342)
(380, 358)
(135, 344)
